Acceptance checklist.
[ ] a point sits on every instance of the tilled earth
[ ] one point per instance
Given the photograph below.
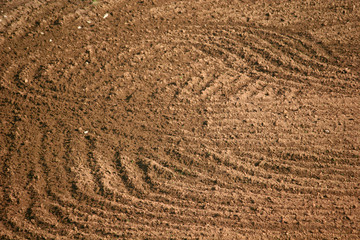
(166, 119)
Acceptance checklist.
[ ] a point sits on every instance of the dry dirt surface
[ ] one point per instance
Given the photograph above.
(167, 119)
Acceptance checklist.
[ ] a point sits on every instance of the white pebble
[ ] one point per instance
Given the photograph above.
(79, 27)
(86, 132)
(106, 15)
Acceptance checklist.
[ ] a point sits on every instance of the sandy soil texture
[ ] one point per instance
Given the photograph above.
(167, 119)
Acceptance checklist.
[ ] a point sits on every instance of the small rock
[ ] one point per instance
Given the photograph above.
(106, 15)
(327, 131)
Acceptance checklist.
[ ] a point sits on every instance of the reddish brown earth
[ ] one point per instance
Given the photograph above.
(180, 119)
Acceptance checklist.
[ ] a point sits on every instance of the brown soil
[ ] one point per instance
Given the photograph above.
(166, 119)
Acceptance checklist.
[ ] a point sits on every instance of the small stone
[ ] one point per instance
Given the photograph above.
(106, 15)
(327, 131)
(79, 27)
(86, 132)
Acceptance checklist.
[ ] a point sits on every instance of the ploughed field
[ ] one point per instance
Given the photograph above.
(166, 119)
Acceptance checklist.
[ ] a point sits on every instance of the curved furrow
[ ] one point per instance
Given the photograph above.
(251, 40)
(265, 168)
(237, 52)
(298, 48)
